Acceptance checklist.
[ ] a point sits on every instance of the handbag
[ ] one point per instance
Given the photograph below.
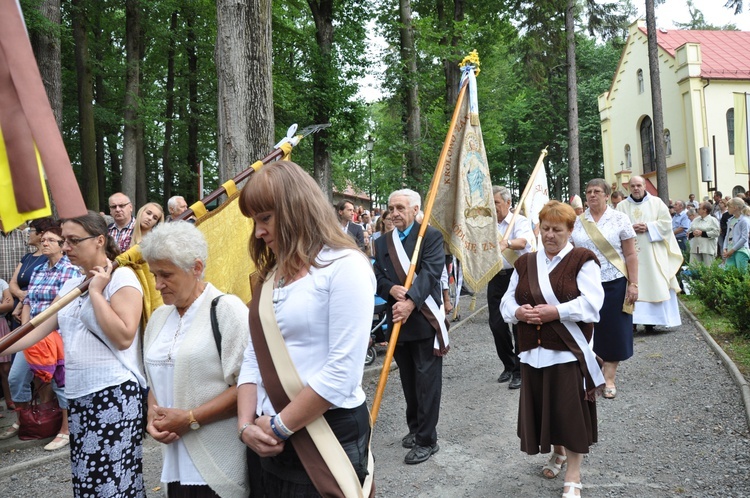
(39, 420)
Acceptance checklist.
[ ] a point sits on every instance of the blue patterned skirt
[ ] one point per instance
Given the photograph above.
(106, 442)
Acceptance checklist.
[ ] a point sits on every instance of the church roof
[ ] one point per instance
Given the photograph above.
(725, 54)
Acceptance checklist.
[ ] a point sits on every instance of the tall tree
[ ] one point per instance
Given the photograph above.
(46, 45)
(574, 164)
(451, 41)
(166, 163)
(245, 91)
(412, 117)
(86, 128)
(656, 104)
(132, 97)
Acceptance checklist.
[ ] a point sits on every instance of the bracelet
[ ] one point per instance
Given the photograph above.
(245, 426)
(276, 431)
(283, 428)
(633, 283)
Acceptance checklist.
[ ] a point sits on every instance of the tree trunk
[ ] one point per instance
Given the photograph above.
(574, 163)
(411, 91)
(450, 65)
(100, 93)
(322, 12)
(166, 164)
(46, 46)
(243, 65)
(190, 189)
(658, 118)
(132, 90)
(86, 129)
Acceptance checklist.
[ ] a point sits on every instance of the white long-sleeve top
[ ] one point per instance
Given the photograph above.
(585, 308)
(325, 320)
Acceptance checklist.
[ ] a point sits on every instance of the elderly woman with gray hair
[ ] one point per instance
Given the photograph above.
(193, 351)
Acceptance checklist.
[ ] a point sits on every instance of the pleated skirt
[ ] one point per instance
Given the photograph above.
(552, 410)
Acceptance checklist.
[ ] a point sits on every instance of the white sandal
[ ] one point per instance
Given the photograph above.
(64, 440)
(571, 493)
(554, 467)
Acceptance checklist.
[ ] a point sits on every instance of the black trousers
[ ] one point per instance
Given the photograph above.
(422, 381)
(500, 331)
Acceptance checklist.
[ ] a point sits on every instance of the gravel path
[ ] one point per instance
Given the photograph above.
(677, 428)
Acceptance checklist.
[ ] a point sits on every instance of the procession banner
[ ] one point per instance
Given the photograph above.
(465, 211)
(741, 139)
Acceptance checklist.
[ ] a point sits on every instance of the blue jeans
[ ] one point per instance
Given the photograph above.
(20, 378)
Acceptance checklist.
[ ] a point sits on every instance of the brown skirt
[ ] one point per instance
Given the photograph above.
(552, 410)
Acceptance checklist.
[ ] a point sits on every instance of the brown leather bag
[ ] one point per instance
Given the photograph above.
(39, 420)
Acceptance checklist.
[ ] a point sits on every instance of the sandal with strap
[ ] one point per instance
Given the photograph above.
(571, 487)
(552, 468)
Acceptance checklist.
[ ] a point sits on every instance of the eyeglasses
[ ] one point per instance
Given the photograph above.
(594, 191)
(112, 207)
(52, 241)
(74, 241)
(33, 230)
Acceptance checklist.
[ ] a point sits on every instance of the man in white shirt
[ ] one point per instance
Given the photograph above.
(659, 257)
(176, 206)
(516, 244)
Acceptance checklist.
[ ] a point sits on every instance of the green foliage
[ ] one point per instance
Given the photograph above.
(724, 290)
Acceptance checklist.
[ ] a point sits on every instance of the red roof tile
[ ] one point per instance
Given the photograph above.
(726, 54)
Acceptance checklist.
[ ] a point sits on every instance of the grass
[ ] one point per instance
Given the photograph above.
(722, 331)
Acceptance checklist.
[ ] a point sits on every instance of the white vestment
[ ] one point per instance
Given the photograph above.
(659, 260)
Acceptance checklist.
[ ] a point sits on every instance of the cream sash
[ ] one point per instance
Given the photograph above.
(438, 311)
(549, 295)
(603, 244)
(320, 432)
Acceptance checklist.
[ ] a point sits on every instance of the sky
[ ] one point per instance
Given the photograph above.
(671, 11)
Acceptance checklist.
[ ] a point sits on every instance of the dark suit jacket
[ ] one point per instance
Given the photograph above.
(429, 268)
(358, 234)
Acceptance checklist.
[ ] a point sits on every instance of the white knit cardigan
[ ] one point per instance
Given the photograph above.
(199, 376)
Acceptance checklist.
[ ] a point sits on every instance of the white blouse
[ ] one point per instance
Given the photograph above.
(615, 227)
(585, 308)
(159, 361)
(92, 362)
(324, 320)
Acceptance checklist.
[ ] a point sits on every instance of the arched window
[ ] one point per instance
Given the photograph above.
(628, 158)
(641, 87)
(730, 130)
(738, 190)
(647, 145)
(667, 143)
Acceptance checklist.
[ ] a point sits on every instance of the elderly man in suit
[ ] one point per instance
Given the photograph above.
(423, 339)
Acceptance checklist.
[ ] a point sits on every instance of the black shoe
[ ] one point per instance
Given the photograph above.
(409, 441)
(420, 454)
(505, 376)
(515, 382)
(650, 328)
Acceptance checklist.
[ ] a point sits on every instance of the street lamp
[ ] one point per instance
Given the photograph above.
(369, 145)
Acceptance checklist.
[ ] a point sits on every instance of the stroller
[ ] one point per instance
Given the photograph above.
(377, 332)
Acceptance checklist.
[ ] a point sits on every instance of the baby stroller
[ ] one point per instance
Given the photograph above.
(377, 332)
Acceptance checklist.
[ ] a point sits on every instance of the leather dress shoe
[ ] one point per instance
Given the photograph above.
(515, 381)
(420, 454)
(409, 440)
(504, 377)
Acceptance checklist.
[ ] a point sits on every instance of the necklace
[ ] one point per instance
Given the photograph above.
(174, 341)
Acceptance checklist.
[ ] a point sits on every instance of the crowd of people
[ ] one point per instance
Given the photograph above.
(265, 398)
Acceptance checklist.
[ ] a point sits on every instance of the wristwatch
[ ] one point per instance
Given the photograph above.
(194, 425)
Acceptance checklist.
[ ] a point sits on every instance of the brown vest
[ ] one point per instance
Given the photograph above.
(563, 281)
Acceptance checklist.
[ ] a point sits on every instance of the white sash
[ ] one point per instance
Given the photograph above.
(573, 328)
(438, 311)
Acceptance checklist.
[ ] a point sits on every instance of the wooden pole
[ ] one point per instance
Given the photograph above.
(415, 255)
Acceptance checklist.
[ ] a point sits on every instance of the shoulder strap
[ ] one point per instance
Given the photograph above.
(603, 244)
(215, 323)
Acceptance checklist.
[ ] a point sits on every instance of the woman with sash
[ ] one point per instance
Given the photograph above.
(301, 405)
(609, 234)
(554, 296)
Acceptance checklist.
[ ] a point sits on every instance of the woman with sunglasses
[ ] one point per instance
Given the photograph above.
(104, 381)
(44, 359)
